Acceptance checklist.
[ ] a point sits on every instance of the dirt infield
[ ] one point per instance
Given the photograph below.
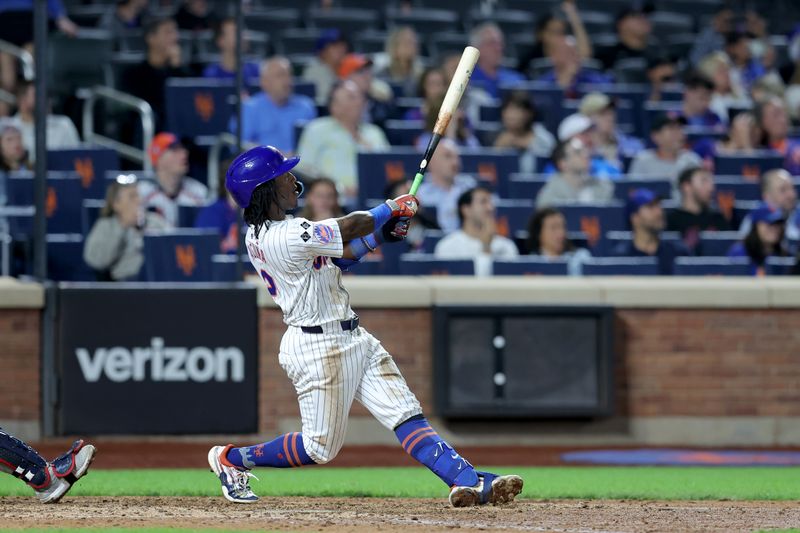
(361, 515)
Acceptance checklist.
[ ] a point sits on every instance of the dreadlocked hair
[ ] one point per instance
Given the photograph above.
(256, 214)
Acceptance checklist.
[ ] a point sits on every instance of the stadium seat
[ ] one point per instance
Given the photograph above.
(717, 243)
(427, 265)
(511, 21)
(431, 239)
(607, 6)
(594, 220)
(198, 106)
(267, 20)
(65, 258)
(612, 239)
(180, 255)
(441, 44)
(79, 62)
(666, 23)
(348, 20)
(780, 266)
(631, 70)
(91, 165)
(531, 266)
(621, 266)
(19, 220)
(737, 188)
(712, 266)
(90, 212)
(489, 113)
(424, 21)
(696, 7)
(750, 166)
(370, 41)
(403, 132)
(513, 216)
(62, 201)
(548, 98)
(597, 21)
(223, 267)
(294, 40)
(526, 185)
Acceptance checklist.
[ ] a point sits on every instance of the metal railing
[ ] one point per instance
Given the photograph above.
(23, 55)
(133, 153)
(5, 232)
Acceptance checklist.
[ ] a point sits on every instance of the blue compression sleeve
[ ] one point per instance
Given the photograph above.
(381, 214)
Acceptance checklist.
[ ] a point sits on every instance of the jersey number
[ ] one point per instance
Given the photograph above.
(273, 290)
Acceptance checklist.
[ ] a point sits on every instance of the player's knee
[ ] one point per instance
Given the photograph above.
(321, 449)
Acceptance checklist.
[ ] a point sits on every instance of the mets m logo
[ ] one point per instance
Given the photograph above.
(323, 233)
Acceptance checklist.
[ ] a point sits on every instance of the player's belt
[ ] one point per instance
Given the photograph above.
(347, 325)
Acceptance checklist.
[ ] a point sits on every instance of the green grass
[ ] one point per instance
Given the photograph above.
(639, 483)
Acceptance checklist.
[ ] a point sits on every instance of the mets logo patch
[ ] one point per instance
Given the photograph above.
(323, 233)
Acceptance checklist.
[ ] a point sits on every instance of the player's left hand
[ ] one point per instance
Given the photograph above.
(395, 230)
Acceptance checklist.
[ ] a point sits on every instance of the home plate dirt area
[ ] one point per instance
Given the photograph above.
(390, 515)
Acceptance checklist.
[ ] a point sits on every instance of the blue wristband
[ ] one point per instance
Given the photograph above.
(381, 214)
(364, 245)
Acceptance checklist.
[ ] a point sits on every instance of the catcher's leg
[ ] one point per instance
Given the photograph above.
(50, 481)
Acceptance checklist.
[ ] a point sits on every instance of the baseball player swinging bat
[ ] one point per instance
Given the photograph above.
(451, 100)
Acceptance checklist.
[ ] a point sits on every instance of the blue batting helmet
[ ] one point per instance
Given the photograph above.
(252, 168)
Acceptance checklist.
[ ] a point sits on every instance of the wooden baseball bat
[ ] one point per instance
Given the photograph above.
(449, 106)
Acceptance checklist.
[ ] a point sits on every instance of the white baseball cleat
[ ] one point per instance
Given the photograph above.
(235, 482)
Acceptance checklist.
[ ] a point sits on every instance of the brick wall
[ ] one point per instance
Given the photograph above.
(672, 362)
(19, 364)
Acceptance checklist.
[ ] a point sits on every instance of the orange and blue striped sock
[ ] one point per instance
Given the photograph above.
(421, 442)
(286, 451)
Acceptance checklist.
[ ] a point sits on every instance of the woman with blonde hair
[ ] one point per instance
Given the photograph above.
(403, 65)
(114, 247)
(727, 92)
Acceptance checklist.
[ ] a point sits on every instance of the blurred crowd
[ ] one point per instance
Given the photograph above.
(738, 95)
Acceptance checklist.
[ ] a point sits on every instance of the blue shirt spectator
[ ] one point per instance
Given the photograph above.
(489, 73)
(221, 216)
(269, 117)
(225, 41)
(218, 71)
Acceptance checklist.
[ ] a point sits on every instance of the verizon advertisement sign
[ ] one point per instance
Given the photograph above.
(137, 360)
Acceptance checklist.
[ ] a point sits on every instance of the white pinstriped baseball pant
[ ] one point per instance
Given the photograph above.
(332, 368)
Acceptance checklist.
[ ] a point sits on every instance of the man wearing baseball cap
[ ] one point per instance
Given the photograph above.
(331, 48)
(608, 140)
(669, 157)
(171, 187)
(358, 69)
(646, 218)
(579, 126)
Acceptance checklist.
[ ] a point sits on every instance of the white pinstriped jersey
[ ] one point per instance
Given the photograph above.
(292, 256)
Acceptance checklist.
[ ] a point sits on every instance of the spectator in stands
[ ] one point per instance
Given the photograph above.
(459, 129)
(225, 41)
(696, 101)
(743, 135)
(522, 132)
(126, 15)
(195, 15)
(646, 217)
(329, 145)
(13, 156)
(17, 29)
(790, 74)
(745, 69)
(607, 139)
(712, 38)
(633, 30)
(773, 120)
(549, 28)
(432, 87)
(567, 71)
(147, 80)
(669, 157)
(172, 187)
(223, 216)
(269, 117)
(573, 183)
(547, 237)
(444, 184)
(401, 65)
(380, 100)
(61, 132)
(717, 68)
(321, 200)
(661, 73)
(331, 47)
(579, 126)
(114, 247)
(777, 190)
(764, 240)
(695, 213)
(489, 72)
(477, 239)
